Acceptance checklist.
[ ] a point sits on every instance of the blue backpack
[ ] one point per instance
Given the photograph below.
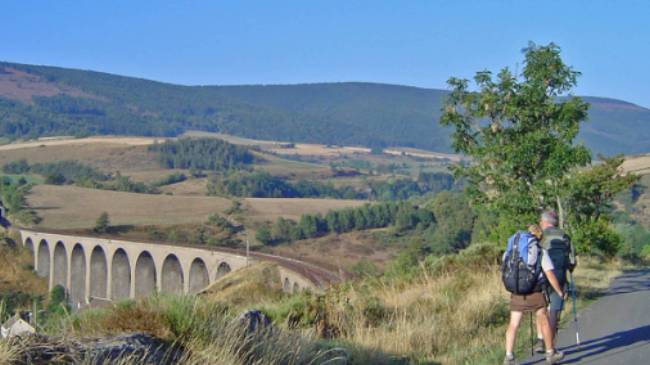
(519, 277)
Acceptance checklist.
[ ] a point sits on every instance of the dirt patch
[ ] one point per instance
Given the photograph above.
(22, 86)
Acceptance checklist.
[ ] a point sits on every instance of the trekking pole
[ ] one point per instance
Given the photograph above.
(532, 341)
(575, 311)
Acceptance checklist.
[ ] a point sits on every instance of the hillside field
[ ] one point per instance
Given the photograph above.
(75, 207)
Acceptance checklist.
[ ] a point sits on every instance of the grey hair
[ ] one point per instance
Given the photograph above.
(550, 217)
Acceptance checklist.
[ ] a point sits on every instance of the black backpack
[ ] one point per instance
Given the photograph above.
(518, 277)
(558, 247)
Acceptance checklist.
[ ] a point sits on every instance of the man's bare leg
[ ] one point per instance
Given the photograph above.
(551, 355)
(553, 317)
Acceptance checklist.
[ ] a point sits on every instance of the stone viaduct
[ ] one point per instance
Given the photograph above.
(91, 268)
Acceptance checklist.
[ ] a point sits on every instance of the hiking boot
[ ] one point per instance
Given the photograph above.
(554, 357)
(510, 360)
(539, 346)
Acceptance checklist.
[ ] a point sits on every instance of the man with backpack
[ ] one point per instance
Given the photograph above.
(558, 245)
(525, 270)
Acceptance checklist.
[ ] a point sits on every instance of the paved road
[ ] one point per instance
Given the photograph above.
(615, 329)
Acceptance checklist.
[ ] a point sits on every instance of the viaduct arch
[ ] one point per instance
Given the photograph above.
(106, 269)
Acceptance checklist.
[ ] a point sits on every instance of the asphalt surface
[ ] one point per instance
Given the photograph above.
(614, 330)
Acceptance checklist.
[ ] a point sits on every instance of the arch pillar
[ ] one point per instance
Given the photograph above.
(186, 265)
(51, 277)
(88, 275)
(158, 262)
(133, 275)
(68, 274)
(109, 273)
(36, 249)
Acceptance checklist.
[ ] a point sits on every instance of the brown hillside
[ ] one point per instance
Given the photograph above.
(22, 86)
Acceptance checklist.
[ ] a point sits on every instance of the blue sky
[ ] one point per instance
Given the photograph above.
(418, 43)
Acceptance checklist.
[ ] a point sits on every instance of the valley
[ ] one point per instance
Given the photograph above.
(338, 222)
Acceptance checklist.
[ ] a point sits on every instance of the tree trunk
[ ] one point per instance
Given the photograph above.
(560, 212)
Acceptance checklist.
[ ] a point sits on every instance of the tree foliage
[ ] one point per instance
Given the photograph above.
(103, 223)
(587, 199)
(401, 215)
(202, 153)
(261, 184)
(520, 131)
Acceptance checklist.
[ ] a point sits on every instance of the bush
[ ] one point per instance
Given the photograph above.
(16, 167)
(170, 179)
(103, 223)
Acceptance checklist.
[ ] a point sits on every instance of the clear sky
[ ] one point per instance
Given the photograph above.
(418, 43)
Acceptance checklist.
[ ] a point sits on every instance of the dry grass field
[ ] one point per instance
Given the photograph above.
(292, 169)
(191, 187)
(129, 141)
(108, 157)
(270, 209)
(70, 207)
(336, 252)
(131, 158)
(639, 164)
(414, 152)
(67, 207)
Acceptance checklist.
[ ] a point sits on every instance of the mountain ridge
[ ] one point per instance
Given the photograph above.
(47, 100)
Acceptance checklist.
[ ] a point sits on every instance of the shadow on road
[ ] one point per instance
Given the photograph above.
(592, 348)
(639, 336)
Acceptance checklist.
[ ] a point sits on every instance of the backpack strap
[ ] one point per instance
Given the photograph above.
(540, 253)
(515, 244)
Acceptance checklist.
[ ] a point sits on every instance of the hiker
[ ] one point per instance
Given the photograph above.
(558, 245)
(526, 268)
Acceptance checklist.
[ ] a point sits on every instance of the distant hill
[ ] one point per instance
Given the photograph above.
(43, 100)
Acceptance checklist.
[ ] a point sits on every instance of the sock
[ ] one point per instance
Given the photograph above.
(509, 355)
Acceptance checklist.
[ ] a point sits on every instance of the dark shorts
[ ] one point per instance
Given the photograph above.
(527, 303)
(555, 302)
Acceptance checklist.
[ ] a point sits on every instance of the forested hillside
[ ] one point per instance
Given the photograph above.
(41, 101)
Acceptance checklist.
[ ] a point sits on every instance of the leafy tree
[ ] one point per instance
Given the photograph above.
(334, 223)
(587, 197)
(520, 132)
(405, 218)
(263, 234)
(103, 223)
(58, 304)
(519, 135)
(454, 222)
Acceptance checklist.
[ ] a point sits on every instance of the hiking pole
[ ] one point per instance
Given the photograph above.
(575, 311)
(532, 341)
